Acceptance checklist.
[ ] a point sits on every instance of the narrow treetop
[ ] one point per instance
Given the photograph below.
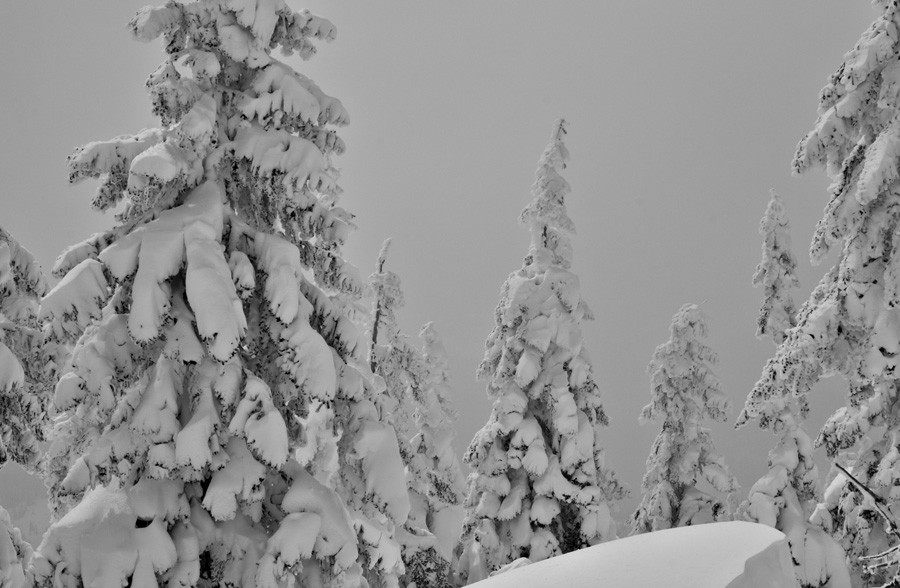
(546, 215)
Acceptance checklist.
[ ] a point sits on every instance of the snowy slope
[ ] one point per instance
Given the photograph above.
(717, 555)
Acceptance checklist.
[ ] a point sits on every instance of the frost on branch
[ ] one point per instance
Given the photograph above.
(215, 423)
(687, 481)
(541, 485)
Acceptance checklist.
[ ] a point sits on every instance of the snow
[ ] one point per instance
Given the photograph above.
(280, 91)
(376, 445)
(192, 443)
(12, 375)
(151, 21)
(100, 541)
(308, 360)
(280, 262)
(271, 151)
(260, 16)
(240, 45)
(335, 534)
(257, 419)
(77, 297)
(717, 555)
(15, 555)
(240, 479)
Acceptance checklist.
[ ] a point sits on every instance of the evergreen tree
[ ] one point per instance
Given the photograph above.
(541, 486)
(25, 368)
(414, 405)
(851, 323)
(775, 273)
(218, 423)
(683, 392)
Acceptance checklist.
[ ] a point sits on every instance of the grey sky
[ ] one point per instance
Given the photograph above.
(682, 116)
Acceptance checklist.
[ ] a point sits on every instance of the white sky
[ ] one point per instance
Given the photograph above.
(682, 116)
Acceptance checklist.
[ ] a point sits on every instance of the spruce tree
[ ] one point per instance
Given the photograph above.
(25, 367)
(683, 392)
(218, 424)
(775, 273)
(851, 323)
(540, 485)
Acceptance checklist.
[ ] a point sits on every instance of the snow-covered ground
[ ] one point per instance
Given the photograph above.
(717, 555)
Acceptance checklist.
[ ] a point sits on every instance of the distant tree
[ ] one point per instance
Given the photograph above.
(25, 368)
(540, 485)
(218, 424)
(417, 400)
(683, 392)
(787, 494)
(445, 486)
(851, 323)
(775, 273)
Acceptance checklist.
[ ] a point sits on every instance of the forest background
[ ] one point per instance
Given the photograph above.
(682, 116)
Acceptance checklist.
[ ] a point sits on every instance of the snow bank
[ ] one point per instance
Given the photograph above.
(716, 555)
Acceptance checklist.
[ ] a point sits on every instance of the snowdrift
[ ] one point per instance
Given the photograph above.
(716, 555)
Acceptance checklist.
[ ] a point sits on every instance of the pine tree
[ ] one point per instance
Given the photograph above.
(218, 423)
(775, 273)
(851, 323)
(541, 486)
(414, 404)
(25, 368)
(683, 392)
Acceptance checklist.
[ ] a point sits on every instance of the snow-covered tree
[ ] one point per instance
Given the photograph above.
(25, 369)
(541, 485)
(445, 486)
(420, 412)
(218, 424)
(775, 273)
(15, 555)
(687, 481)
(785, 497)
(851, 323)
(787, 494)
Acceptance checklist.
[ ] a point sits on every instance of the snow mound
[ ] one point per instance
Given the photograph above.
(716, 555)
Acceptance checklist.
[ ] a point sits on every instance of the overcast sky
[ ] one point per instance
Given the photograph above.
(682, 116)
